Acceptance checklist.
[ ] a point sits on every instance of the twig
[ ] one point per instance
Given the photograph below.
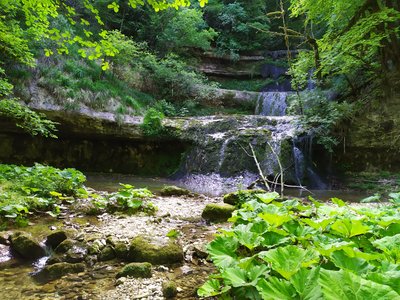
(280, 167)
(259, 168)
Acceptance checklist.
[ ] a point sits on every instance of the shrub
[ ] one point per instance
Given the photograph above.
(152, 122)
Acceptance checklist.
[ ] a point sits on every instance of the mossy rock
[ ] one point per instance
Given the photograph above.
(65, 245)
(140, 250)
(172, 190)
(169, 289)
(217, 212)
(241, 196)
(136, 270)
(107, 253)
(56, 238)
(121, 250)
(26, 246)
(58, 270)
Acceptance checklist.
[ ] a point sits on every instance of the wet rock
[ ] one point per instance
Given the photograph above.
(141, 250)
(4, 238)
(26, 246)
(65, 245)
(172, 190)
(236, 198)
(107, 253)
(121, 250)
(58, 270)
(217, 212)
(56, 238)
(136, 270)
(169, 289)
(75, 254)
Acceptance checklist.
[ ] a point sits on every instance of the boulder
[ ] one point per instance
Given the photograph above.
(172, 190)
(136, 270)
(26, 246)
(107, 253)
(140, 250)
(56, 238)
(220, 212)
(239, 197)
(169, 289)
(65, 245)
(58, 270)
(121, 250)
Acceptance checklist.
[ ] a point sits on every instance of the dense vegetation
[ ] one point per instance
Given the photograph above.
(288, 249)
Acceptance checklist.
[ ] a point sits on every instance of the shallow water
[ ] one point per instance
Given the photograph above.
(210, 185)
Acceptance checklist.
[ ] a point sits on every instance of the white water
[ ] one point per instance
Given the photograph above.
(272, 104)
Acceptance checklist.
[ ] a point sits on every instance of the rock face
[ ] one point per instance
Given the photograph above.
(215, 212)
(26, 246)
(136, 270)
(200, 145)
(140, 250)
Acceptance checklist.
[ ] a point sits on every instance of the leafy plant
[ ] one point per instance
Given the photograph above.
(152, 122)
(287, 249)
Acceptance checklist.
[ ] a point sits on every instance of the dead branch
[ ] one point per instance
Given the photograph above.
(259, 168)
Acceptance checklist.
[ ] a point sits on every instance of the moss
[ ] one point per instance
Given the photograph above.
(121, 250)
(59, 270)
(169, 289)
(140, 250)
(218, 212)
(65, 245)
(172, 190)
(26, 246)
(136, 270)
(107, 253)
(56, 238)
(239, 197)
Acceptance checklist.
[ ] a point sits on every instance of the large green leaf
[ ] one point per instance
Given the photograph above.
(305, 281)
(289, 259)
(349, 227)
(212, 287)
(223, 251)
(235, 277)
(345, 285)
(276, 289)
(268, 197)
(246, 237)
(389, 245)
(353, 264)
(273, 239)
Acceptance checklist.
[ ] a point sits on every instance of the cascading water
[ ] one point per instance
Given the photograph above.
(272, 104)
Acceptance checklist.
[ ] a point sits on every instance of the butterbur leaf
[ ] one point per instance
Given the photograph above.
(389, 245)
(246, 237)
(353, 264)
(349, 228)
(305, 281)
(275, 219)
(338, 202)
(212, 287)
(318, 224)
(235, 277)
(275, 289)
(348, 286)
(390, 278)
(289, 259)
(223, 251)
(268, 197)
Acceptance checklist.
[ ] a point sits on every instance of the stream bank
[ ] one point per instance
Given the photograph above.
(98, 278)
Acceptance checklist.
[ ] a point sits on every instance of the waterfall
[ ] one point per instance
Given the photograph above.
(271, 104)
(222, 152)
(299, 164)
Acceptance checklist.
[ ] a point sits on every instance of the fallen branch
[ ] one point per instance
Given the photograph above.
(265, 181)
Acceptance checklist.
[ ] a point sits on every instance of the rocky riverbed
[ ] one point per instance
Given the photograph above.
(87, 253)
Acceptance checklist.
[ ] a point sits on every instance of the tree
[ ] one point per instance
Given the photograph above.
(26, 22)
(349, 35)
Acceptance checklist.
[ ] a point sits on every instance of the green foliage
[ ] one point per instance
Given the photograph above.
(38, 188)
(130, 200)
(351, 35)
(241, 25)
(186, 29)
(152, 122)
(32, 122)
(319, 116)
(287, 249)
